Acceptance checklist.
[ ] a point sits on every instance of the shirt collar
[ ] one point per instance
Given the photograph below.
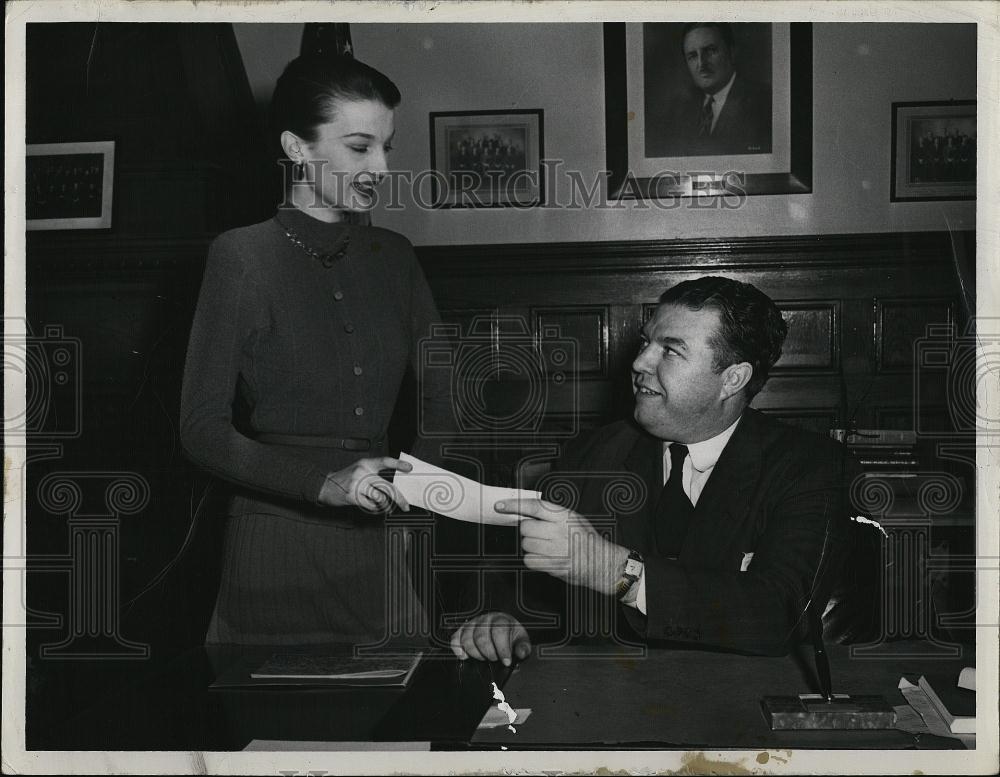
(705, 454)
(722, 94)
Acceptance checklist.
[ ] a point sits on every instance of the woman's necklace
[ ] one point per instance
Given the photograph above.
(327, 259)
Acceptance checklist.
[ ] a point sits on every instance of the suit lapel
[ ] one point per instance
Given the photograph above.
(730, 109)
(722, 506)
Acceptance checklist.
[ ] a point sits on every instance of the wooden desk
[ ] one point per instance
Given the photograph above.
(694, 699)
(174, 708)
(671, 698)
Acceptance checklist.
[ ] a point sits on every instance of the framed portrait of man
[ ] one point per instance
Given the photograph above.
(707, 89)
(708, 107)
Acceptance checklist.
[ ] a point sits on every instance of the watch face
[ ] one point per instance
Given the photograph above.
(633, 567)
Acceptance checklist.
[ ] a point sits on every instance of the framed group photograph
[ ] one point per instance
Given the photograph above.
(933, 151)
(708, 108)
(69, 185)
(487, 158)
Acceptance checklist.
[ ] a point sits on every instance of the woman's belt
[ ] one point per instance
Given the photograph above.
(319, 441)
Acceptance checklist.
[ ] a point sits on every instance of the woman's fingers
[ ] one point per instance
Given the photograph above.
(381, 492)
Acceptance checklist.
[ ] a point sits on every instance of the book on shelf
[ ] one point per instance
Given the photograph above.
(956, 705)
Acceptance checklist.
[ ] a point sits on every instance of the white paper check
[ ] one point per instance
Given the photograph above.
(443, 492)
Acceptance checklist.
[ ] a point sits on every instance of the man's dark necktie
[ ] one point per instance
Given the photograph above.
(674, 510)
(705, 128)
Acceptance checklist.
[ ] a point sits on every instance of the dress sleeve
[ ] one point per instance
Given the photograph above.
(437, 425)
(229, 315)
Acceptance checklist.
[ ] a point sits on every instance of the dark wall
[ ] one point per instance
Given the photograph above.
(119, 302)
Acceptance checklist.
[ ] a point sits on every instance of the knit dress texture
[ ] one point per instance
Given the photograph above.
(303, 331)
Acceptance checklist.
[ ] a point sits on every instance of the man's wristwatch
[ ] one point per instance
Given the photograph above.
(633, 571)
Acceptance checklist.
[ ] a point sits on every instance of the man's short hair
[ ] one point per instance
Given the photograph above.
(751, 328)
(725, 29)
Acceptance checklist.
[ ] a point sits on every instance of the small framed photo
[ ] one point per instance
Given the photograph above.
(69, 185)
(487, 159)
(933, 151)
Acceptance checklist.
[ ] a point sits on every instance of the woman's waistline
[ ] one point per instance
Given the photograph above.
(356, 444)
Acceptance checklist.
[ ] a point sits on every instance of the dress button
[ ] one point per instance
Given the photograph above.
(338, 295)
(348, 328)
(359, 410)
(357, 369)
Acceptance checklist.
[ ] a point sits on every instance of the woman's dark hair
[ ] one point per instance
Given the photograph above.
(307, 91)
(751, 328)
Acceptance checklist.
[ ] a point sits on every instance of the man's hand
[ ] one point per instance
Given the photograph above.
(562, 543)
(495, 636)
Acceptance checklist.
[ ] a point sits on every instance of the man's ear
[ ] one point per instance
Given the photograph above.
(292, 145)
(735, 378)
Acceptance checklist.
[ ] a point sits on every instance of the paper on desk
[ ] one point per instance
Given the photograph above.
(925, 707)
(443, 492)
(497, 718)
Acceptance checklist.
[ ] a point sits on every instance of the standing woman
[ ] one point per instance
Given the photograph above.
(304, 328)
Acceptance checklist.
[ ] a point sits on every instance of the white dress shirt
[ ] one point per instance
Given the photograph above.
(698, 465)
(718, 101)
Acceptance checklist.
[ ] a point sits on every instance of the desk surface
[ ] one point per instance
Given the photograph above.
(174, 708)
(697, 699)
(670, 698)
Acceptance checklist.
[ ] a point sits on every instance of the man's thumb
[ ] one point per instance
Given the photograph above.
(522, 648)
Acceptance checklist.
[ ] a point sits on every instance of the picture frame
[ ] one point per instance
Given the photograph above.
(637, 170)
(487, 159)
(933, 151)
(69, 185)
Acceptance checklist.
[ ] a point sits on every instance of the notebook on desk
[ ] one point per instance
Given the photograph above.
(318, 668)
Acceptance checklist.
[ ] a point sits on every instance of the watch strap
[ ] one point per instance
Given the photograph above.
(630, 575)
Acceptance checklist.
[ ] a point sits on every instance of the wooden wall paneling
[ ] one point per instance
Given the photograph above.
(584, 330)
(829, 285)
(813, 340)
(902, 324)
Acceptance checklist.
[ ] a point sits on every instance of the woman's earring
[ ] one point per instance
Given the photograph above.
(298, 171)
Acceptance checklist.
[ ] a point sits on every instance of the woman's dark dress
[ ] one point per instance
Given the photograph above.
(311, 351)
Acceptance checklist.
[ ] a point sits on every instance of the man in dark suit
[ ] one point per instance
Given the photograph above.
(726, 112)
(733, 521)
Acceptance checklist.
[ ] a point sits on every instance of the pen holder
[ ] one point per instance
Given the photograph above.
(812, 711)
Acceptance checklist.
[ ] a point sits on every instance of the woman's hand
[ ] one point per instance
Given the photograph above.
(361, 485)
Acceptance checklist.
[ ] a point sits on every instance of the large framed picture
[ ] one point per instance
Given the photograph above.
(696, 108)
(69, 185)
(487, 158)
(933, 151)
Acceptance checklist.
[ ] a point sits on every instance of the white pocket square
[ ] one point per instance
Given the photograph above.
(745, 563)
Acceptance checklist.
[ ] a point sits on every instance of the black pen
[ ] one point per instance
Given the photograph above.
(822, 661)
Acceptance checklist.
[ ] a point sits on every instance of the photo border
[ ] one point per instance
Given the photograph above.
(900, 153)
(106, 148)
